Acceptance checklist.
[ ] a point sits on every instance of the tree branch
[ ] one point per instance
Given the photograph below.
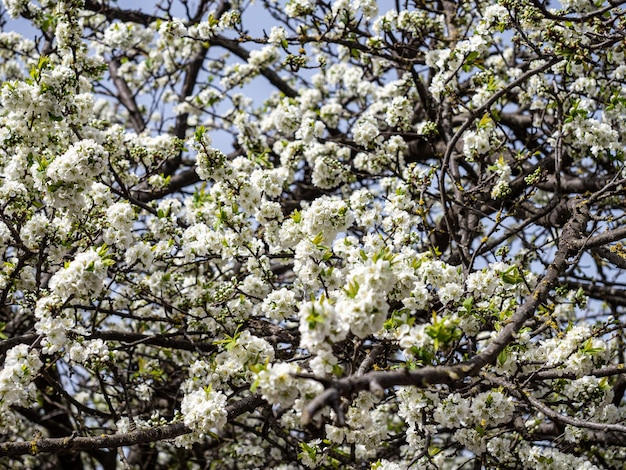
(603, 239)
(126, 97)
(141, 436)
(166, 341)
(234, 47)
(135, 16)
(607, 371)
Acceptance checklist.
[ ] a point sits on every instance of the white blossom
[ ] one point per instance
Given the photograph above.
(20, 369)
(82, 277)
(204, 411)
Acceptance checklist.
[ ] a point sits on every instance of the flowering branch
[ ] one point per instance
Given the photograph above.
(104, 441)
(427, 376)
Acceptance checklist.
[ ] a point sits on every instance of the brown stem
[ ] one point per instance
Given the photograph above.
(103, 441)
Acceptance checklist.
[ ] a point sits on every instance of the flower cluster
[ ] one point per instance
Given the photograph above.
(19, 370)
(204, 411)
(83, 277)
(486, 409)
(278, 384)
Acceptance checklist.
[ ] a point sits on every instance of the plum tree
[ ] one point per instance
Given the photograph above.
(294, 234)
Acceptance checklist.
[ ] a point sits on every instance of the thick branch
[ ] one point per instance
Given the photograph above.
(166, 341)
(126, 97)
(135, 16)
(611, 256)
(142, 436)
(605, 238)
(572, 184)
(234, 47)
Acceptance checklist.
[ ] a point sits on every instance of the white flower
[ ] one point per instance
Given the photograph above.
(453, 411)
(204, 410)
(413, 337)
(492, 408)
(265, 57)
(578, 6)
(173, 28)
(96, 349)
(363, 302)
(278, 384)
(277, 35)
(15, 7)
(471, 439)
(295, 8)
(269, 211)
(209, 164)
(328, 173)
(125, 36)
(12, 190)
(365, 131)
(284, 118)
(83, 277)
(399, 112)
(500, 189)
(310, 129)
(368, 7)
(330, 113)
(34, 231)
(324, 363)
(244, 351)
(279, 304)
(83, 160)
(270, 182)
(482, 283)
(385, 464)
(319, 323)
(120, 217)
(311, 456)
(326, 216)
(476, 142)
(21, 366)
(144, 392)
(205, 30)
(139, 253)
(450, 292)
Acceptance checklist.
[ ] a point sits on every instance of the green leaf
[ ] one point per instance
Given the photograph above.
(485, 121)
(308, 450)
(512, 275)
(587, 348)
(199, 134)
(229, 342)
(352, 289)
(319, 238)
(442, 332)
(296, 216)
(502, 357)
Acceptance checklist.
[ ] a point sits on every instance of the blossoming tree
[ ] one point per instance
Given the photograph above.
(313, 234)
